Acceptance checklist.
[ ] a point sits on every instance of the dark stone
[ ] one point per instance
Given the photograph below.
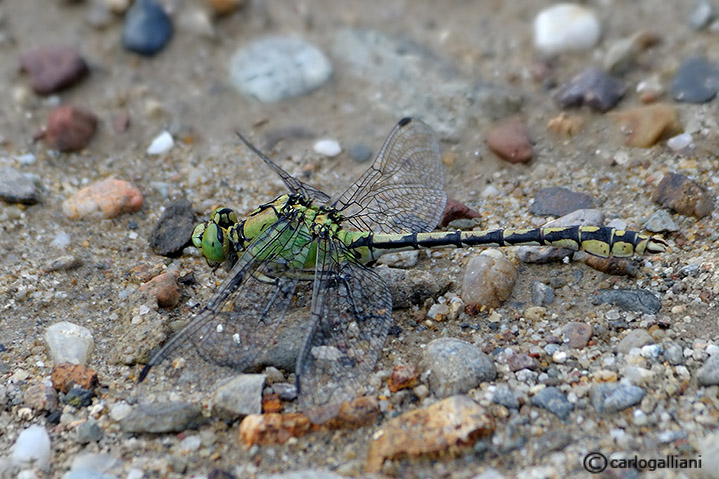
(592, 87)
(163, 417)
(173, 231)
(69, 128)
(640, 300)
(359, 152)
(696, 81)
(558, 201)
(17, 188)
(147, 28)
(577, 334)
(615, 397)
(454, 210)
(220, 474)
(505, 396)
(78, 397)
(541, 293)
(53, 68)
(522, 361)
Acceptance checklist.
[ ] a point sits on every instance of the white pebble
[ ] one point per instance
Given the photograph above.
(679, 142)
(559, 357)
(61, 240)
(161, 144)
(69, 343)
(565, 27)
(329, 148)
(32, 448)
(119, 411)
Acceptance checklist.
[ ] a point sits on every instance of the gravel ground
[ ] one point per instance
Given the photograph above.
(641, 383)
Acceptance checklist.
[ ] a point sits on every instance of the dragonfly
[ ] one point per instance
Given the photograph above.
(304, 236)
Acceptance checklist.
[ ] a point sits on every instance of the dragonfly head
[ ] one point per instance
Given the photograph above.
(212, 237)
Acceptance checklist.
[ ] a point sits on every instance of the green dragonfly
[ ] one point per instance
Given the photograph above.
(303, 236)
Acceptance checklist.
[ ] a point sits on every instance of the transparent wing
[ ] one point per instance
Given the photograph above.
(292, 183)
(351, 315)
(242, 317)
(403, 191)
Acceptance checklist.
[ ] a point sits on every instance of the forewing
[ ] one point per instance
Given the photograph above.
(403, 191)
(351, 315)
(240, 320)
(293, 184)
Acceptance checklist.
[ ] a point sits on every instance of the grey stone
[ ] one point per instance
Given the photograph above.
(411, 287)
(505, 396)
(558, 201)
(639, 300)
(554, 401)
(147, 28)
(162, 417)
(700, 16)
(576, 334)
(87, 432)
(359, 152)
(286, 391)
(275, 68)
(660, 222)
(636, 338)
(708, 374)
(673, 353)
(592, 87)
(240, 396)
(542, 294)
(173, 230)
(696, 81)
(456, 366)
(17, 188)
(615, 397)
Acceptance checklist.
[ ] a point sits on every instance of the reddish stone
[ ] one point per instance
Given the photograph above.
(53, 68)
(164, 288)
(454, 210)
(271, 403)
(402, 377)
(69, 128)
(65, 375)
(683, 195)
(273, 428)
(522, 361)
(120, 122)
(361, 411)
(105, 199)
(510, 141)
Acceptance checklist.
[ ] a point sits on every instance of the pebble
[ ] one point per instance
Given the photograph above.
(17, 188)
(650, 89)
(161, 144)
(276, 68)
(696, 81)
(359, 152)
(708, 374)
(224, 7)
(682, 143)
(621, 55)
(576, 335)
(660, 222)
(456, 366)
(683, 195)
(239, 397)
(592, 87)
(403, 259)
(504, 396)
(92, 466)
(612, 265)
(328, 148)
(173, 230)
(454, 210)
(361, 411)
(640, 300)
(615, 397)
(701, 15)
(554, 401)
(558, 201)
(164, 288)
(646, 125)
(488, 281)
(490, 473)
(446, 425)
(673, 353)
(69, 343)
(402, 377)
(78, 397)
(582, 217)
(565, 27)
(541, 254)
(53, 68)
(62, 263)
(636, 338)
(147, 28)
(285, 391)
(105, 199)
(272, 428)
(510, 141)
(88, 432)
(162, 417)
(40, 397)
(65, 376)
(565, 124)
(519, 361)
(32, 448)
(69, 128)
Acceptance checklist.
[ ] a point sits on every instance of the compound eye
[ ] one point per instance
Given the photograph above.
(224, 217)
(197, 234)
(215, 244)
